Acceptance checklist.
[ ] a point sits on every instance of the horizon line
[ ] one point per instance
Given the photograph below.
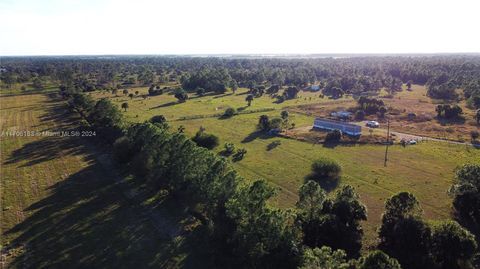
(251, 54)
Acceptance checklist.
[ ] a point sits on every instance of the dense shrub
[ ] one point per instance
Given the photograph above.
(229, 112)
(325, 170)
(121, 150)
(154, 90)
(212, 80)
(158, 119)
(448, 112)
(445, 91)
(360, 115)
(275, 123)
(229, 149)
(200, 91)
(291, 93)
(266, 124)
(370, 105)
(333, 136)
(181, 95)
(333, 92)
(204, 140)
(239, 155)
(333, 222)
(378, 260)
(107, 120)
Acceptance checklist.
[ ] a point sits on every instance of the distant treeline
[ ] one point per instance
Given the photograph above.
(442, 74)
(242, 231)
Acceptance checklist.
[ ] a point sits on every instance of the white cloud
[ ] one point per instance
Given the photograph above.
(247, 26)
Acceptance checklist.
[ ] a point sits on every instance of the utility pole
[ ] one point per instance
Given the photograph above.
(388, 143)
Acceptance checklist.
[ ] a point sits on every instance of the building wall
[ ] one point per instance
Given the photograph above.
(333, 125)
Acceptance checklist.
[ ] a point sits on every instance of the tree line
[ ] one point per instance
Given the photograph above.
(443, 75)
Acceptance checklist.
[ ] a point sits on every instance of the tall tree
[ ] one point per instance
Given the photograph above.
(125, 106)
(234, 86)
(403, 234)
(452, 245)
(466, 196)
(249, 99)
(310, 201)
(378, 260)
(263, 237)
(324, 258)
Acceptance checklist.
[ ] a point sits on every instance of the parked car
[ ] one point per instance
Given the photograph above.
(412, 142)
(373, 124)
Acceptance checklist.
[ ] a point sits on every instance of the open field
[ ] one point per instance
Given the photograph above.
(59, 208)
(16, 88)
(287, 165)
(208, 105)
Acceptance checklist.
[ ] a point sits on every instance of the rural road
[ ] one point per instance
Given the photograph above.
(400, 136)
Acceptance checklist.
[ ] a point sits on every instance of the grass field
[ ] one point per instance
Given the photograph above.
(28, 88)
(59, 208)
(168, 106)
(425, 169)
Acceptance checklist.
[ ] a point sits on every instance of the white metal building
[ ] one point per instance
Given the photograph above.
(346, 128)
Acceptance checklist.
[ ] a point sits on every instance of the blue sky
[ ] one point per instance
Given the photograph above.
(72, 27)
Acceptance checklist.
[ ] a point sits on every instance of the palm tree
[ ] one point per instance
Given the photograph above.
(125, 106)
(249, 99)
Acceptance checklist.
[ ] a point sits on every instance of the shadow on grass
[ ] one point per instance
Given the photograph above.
(84, 223)
(47, 147)
(242, 93)
(43, 150)
(222, 95)
(273, 145)
(330, 145)
(165, 105)
(203, 95)
(226, 117)
(242, 108)
(257, 134)
(87, 222)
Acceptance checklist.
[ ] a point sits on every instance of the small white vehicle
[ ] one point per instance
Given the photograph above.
(373, 124)
(412, 142)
